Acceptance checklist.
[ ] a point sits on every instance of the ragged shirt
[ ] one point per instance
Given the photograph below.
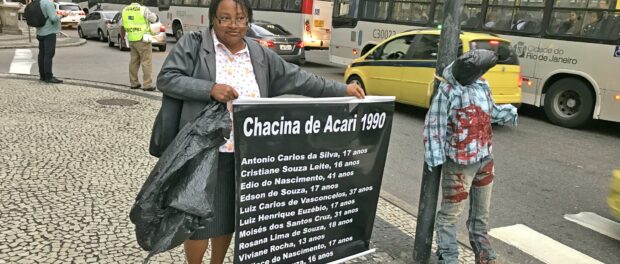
(237, 71)
(458, 123)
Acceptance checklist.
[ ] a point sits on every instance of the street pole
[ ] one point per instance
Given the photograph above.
(448, 48)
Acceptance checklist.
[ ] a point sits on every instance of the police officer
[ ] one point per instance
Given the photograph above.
(137, 21)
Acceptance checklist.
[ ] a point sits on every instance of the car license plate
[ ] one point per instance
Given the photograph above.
(286, 47)
(319, 23)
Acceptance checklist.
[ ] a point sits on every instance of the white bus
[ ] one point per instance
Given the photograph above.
(307, 19)
(569, 50)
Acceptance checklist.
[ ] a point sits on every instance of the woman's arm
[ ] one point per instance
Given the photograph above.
(175, 78)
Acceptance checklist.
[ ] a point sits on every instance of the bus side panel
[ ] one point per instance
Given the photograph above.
(524, 47)
(610, 106)
(596, 61)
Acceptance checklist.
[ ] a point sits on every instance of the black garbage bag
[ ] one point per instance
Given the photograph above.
(470, 66)
(177, 197)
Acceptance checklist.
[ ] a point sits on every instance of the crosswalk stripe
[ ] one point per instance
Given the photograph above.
(22, 61)
(540, 246)
(597, 223)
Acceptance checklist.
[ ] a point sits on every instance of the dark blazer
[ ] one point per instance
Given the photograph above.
(188, 74)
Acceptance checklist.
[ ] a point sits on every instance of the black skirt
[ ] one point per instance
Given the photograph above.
(223, 221)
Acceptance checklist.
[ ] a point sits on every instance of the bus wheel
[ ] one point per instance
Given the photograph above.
(357, 80)
(177, 31)
(569, 103)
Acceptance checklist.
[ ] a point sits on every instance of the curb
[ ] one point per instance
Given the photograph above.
(79, 82)
(80, 42)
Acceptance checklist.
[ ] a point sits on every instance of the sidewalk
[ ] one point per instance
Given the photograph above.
(23, 41)
(73, 158)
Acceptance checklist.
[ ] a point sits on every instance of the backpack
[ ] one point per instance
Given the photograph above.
(34, 15)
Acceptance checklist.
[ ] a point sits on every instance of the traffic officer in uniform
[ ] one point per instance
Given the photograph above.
(137, 21)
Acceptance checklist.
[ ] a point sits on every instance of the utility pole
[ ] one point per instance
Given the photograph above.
(449, 41)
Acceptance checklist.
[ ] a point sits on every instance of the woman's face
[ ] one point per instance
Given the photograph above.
(592, 18)
(231, 23)
(572, 16)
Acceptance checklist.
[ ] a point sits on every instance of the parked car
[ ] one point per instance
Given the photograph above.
(72, 12)
(404, 66)
(116, 34)
(275, 37)
(96, 25)
(614, 194)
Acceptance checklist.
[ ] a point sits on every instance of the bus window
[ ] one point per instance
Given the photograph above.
(470, 18)
(254, 4)
(276, 4)
(344, 8)
(410, 11)
(515, 16)
(505, 54)
(292, 5)
(375, 9)
(595, 22)
(264, 4)
(204, 3)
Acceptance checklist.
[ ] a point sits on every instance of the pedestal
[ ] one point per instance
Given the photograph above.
(8, 18)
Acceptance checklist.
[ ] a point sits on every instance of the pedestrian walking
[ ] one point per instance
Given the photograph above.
(221, 64)
(137, 21)
(457, 135)
(46, 35)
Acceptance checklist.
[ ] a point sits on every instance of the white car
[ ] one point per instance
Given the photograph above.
(96, 24)
(72, 13)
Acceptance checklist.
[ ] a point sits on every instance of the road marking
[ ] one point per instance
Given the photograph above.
(540, 246)
(597, 223)
(22, 61)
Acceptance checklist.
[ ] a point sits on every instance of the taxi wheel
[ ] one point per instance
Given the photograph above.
(81, 33)
(110, 43)
(357, 80)
(100, 35)
(569, 102)
(177, 31)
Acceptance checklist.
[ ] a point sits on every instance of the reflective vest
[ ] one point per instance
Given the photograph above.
(134, 22)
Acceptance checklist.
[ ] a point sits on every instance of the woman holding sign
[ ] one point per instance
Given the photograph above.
(221, 64)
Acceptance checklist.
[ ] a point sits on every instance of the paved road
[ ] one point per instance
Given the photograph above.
(543, 172)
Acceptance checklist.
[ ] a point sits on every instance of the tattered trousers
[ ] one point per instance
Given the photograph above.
(460, 183)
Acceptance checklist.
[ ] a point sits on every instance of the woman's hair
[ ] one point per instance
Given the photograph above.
(244, 4)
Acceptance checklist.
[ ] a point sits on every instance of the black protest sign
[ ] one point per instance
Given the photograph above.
(308, 174)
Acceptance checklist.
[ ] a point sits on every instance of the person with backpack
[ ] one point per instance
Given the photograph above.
(42, 15)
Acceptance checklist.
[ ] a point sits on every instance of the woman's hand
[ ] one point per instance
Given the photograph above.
(223, 92)
(355, 90)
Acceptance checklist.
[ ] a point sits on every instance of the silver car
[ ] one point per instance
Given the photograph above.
(96, 24)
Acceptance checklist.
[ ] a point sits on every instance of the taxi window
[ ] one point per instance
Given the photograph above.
(424, 47)
(505, 53)
(395, 49)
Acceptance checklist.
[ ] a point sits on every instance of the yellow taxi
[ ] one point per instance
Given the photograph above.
(404, 66)
(614, 194)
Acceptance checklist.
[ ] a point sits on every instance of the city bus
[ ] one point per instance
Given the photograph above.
(569, 50)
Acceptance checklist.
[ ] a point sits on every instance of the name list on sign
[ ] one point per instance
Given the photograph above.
(295, 207)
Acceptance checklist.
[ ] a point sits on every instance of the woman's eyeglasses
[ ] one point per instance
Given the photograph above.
(227, 21)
